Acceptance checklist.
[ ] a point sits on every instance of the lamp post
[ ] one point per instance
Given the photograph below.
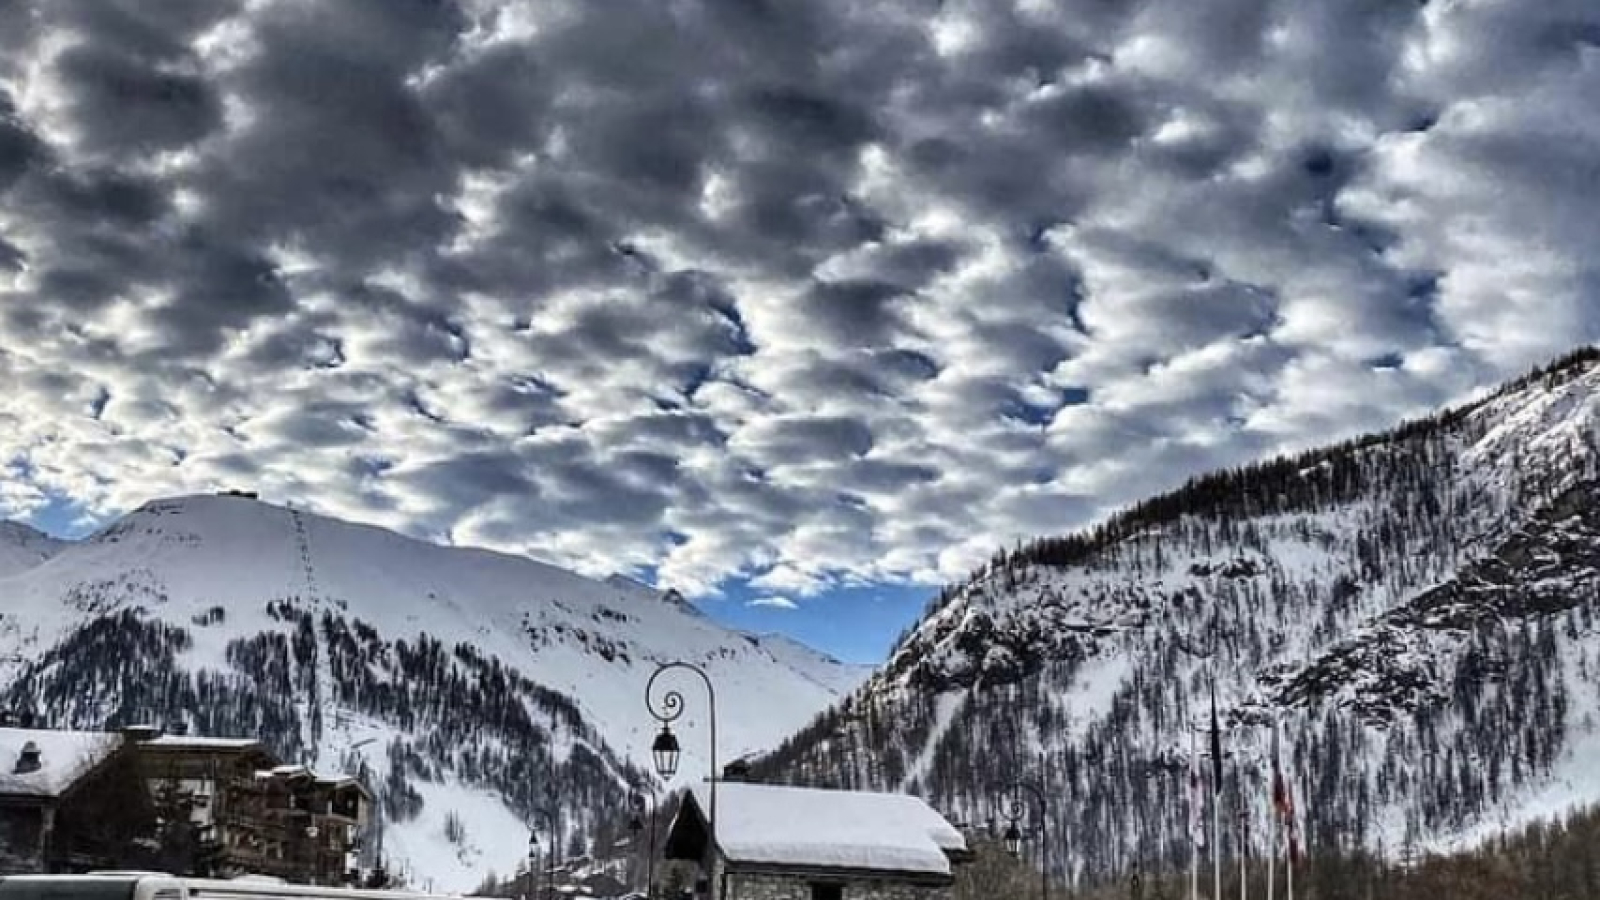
(533, 865)
(636, 826)
(1013, 809)
(665, 751)
(1208, 652)
(315, 852)
(548, 815)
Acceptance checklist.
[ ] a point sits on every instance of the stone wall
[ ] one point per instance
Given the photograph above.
(786, 887)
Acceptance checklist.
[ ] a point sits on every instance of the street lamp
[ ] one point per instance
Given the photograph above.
(1013, 839)
(549, 814)
(1013, 809)
(636, 827)
(665, 750)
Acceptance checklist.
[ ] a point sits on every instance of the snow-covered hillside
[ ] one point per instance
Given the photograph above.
(1420, 610)
(466, 681)
(836, 677)
(22, 547)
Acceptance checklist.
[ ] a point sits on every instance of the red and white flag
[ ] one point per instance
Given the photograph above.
(1283, 801)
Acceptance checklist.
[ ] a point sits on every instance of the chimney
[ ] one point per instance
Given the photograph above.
(29, 760)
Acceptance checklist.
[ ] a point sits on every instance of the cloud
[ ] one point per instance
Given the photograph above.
(774, 603)
(795, 294)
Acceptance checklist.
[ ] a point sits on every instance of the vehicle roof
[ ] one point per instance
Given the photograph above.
(204, 887)
(201, 887)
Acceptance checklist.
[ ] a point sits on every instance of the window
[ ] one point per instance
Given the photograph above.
(827, 892)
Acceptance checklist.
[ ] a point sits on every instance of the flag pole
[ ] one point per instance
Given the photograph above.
(1294, 836)
(1272, 855)
(1272, 816)
(1194, 816)
(1244, 850)
(1216, 794)
(1288, 871)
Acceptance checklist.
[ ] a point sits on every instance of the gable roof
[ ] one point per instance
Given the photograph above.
(66, 756)
(812, 828)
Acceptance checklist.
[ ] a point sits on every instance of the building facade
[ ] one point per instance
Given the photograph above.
(137, 799)
(70, 801)
(294, 823)
(194, 783)
(251, 814)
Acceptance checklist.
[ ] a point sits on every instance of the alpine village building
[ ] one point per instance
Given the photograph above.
(73, 801)
(790, 843)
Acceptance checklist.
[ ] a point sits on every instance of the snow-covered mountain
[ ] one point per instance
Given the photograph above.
(22, 547)
(466, 681)
(1417, 609)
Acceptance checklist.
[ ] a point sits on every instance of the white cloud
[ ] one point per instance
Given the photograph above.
(832, 296)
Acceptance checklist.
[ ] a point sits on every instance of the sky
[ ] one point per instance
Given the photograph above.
(800, 308)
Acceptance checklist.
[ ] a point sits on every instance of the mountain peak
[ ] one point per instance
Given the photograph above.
(23, 547)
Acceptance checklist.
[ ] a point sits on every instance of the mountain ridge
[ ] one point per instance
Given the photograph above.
(1346, 591)
(22, 547)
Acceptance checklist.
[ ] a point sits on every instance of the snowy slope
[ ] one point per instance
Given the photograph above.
(343, 608)
(1420, 611)
(834, 675)
(22, 547)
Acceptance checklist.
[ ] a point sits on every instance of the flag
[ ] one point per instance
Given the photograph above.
(1282, 802)
(1280, 794)
(1216, 743)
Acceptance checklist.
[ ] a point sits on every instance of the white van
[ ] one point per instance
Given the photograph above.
(157, 886)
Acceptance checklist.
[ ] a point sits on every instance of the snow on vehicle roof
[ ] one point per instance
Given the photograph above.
(812, 827)
(64, 757)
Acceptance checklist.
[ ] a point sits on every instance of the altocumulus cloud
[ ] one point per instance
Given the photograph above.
(799, 293)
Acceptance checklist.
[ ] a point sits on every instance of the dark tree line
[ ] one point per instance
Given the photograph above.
(1546, 860)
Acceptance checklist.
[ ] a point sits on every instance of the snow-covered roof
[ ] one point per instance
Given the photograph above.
(300, 770)
(64, 756)
(184, 742)
(814, 828)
